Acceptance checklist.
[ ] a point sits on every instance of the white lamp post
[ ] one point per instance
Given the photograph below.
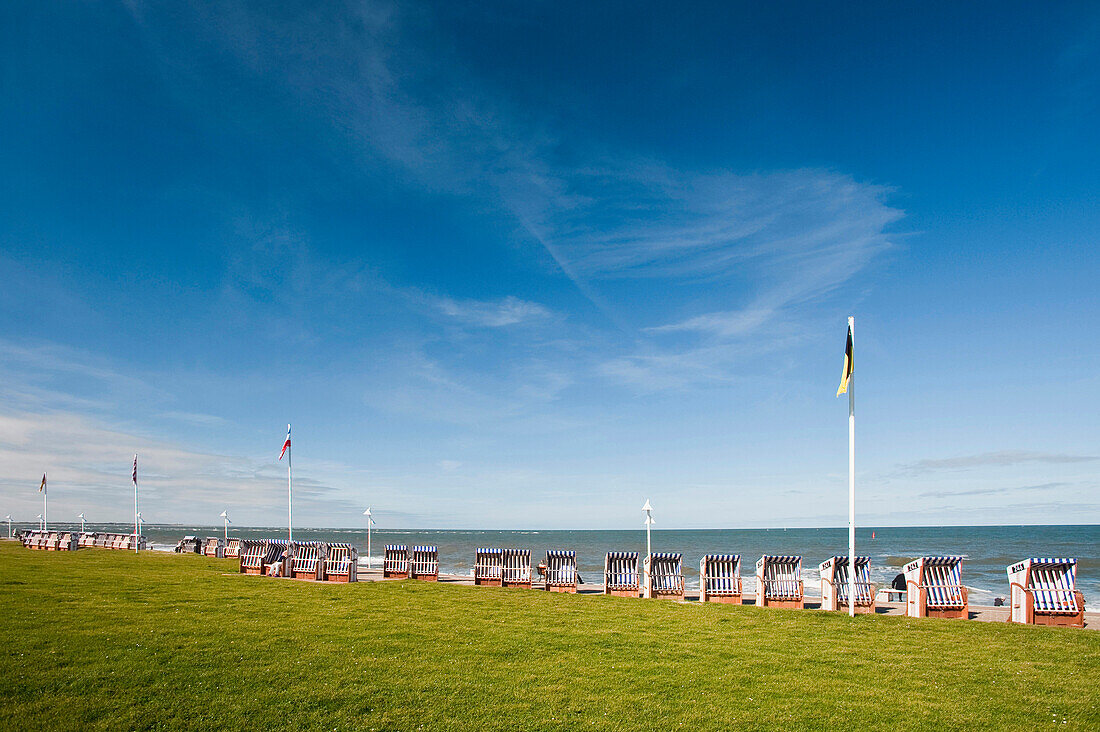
(370, 520)
(81, 517)
(41, 525)
(225, 516)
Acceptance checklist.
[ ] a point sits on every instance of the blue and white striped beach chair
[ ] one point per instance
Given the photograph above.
(342, 563)
(663, 575)
(620, 574)
(1044, 592)
(425, 563)
(934, 588)
(395, 561)
(252, 556)
(779, 581)
(720, 578)
(561, 571)
(834, 584)
(276, 561)
(488, 566)
(516, 568)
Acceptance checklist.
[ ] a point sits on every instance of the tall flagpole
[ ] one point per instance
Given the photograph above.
(289, 489)
(136, 515)
(45, 492)
(852, 476)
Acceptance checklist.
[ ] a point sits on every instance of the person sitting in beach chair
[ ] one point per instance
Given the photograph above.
(934, 588)
(835, 586)
(779, 582)
(720, 578)
(1044, 592)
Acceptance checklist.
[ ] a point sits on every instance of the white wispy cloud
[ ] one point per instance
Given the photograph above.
(999, 459)
(489, 314)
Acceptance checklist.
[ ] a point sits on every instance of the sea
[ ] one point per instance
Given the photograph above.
(986, 550)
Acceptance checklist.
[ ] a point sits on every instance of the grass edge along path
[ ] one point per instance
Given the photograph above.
(98, 639)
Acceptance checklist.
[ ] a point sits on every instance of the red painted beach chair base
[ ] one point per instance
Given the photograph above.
(487, 581)
(252, 570)
(950, 613)
(305, 575)
(570, 589)
(721, 599)
(861, 608)
(426, 577)
(339, 578)
(386, 574)
(783, 604)
(622, 593)
(520, 585)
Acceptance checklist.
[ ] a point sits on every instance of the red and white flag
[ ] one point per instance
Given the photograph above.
(135, 470)
(285, 444)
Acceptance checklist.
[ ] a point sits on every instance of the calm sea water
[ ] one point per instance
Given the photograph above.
(987, 549)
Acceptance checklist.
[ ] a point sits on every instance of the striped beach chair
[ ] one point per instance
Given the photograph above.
(720, 578)
(87, 540)
(33, 539)
(342, 563)
(488, 566)
(214, 546)
(779, 581)
(252, 556)
(53, 541)
(307, 560)
(189, 545)
(232, 548)
(103, 541)
(934, 588)
(620, 574)
(663, 576)
(516, 568)
(1044, 592)
(561, 571)
(395, 562)
(835, 588)
(424, 563)
(67, 541)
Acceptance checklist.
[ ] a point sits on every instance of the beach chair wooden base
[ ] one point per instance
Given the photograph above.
(487, 581)
(623, 593)
(951, 613)
(1057, 620)
(569, 589)
(517, 585)
(426, 577)
(252, 570)
(721, 599)
(668, 596)
(782, 604)
(861, 607)
(394, 575)
(304, 575)
(338, 578)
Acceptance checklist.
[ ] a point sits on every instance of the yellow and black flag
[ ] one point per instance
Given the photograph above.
(847, 375)
(42, 488)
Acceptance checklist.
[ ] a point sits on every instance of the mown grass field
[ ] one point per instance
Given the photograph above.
(101, 639)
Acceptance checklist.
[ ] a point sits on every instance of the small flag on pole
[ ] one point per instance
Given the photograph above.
(42, 488)
(847, 375)
(285, 444)
(134, 477)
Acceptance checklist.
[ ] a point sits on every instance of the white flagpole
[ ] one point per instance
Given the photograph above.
(81, 517)
(136, 514)
(852, 476)
(45, 492)
(370, 520)
(289, 489)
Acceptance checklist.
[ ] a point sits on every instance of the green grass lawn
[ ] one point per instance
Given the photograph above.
(101, 639)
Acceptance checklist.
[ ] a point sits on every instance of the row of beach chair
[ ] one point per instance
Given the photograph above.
(421, 563)
(73, 540)
(314, 560)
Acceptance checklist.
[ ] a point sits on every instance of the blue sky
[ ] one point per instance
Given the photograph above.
(527, 265)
